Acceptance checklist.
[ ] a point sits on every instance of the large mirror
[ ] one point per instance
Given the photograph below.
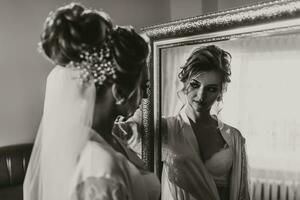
(262, 100)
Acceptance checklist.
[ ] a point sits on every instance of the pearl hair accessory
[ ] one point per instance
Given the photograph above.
(97, 65)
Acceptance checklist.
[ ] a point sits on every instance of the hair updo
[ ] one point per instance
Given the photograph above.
(73, 28)
(70, 29)
(131, 53)
(207, 58)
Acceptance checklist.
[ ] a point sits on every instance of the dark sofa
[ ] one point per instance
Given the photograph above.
(13, 164)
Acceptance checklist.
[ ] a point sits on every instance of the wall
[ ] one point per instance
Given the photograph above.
(183, 9)
(229, 4)
(23, 70)
(190, 8)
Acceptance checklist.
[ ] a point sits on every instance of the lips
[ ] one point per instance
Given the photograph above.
(200, 103)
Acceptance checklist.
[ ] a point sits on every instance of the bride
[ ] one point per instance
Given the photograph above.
(99, 74)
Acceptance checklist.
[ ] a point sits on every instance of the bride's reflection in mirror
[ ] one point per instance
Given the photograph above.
(203, 158)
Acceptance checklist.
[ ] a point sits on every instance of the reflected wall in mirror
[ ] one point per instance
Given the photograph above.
(262, 100)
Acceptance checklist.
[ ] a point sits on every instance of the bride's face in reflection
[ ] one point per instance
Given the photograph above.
(203, 90)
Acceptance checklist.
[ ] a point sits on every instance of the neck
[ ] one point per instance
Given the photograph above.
(104, 118)
(202, 117)
(103, 126)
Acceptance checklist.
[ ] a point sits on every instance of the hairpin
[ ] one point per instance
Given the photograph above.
(97, 65)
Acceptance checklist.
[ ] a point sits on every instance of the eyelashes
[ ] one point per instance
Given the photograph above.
(213, 89)
(195, 85)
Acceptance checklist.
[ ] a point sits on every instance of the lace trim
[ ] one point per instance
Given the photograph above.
(94, 188)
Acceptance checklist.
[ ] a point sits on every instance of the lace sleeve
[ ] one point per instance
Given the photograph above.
(94, 188)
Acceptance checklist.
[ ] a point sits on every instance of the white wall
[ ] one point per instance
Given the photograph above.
(180, 9)
(229, 4)
(23, 70)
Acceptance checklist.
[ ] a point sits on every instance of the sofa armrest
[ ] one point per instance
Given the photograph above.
(13, 164)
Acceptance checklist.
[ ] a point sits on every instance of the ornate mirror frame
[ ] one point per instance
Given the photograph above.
(260, 19)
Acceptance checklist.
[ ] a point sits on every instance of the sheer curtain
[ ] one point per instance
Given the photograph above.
(262, 100)
(171, 61)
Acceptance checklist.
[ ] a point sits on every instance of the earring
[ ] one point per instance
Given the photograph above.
(219, 107)
(120, 101)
